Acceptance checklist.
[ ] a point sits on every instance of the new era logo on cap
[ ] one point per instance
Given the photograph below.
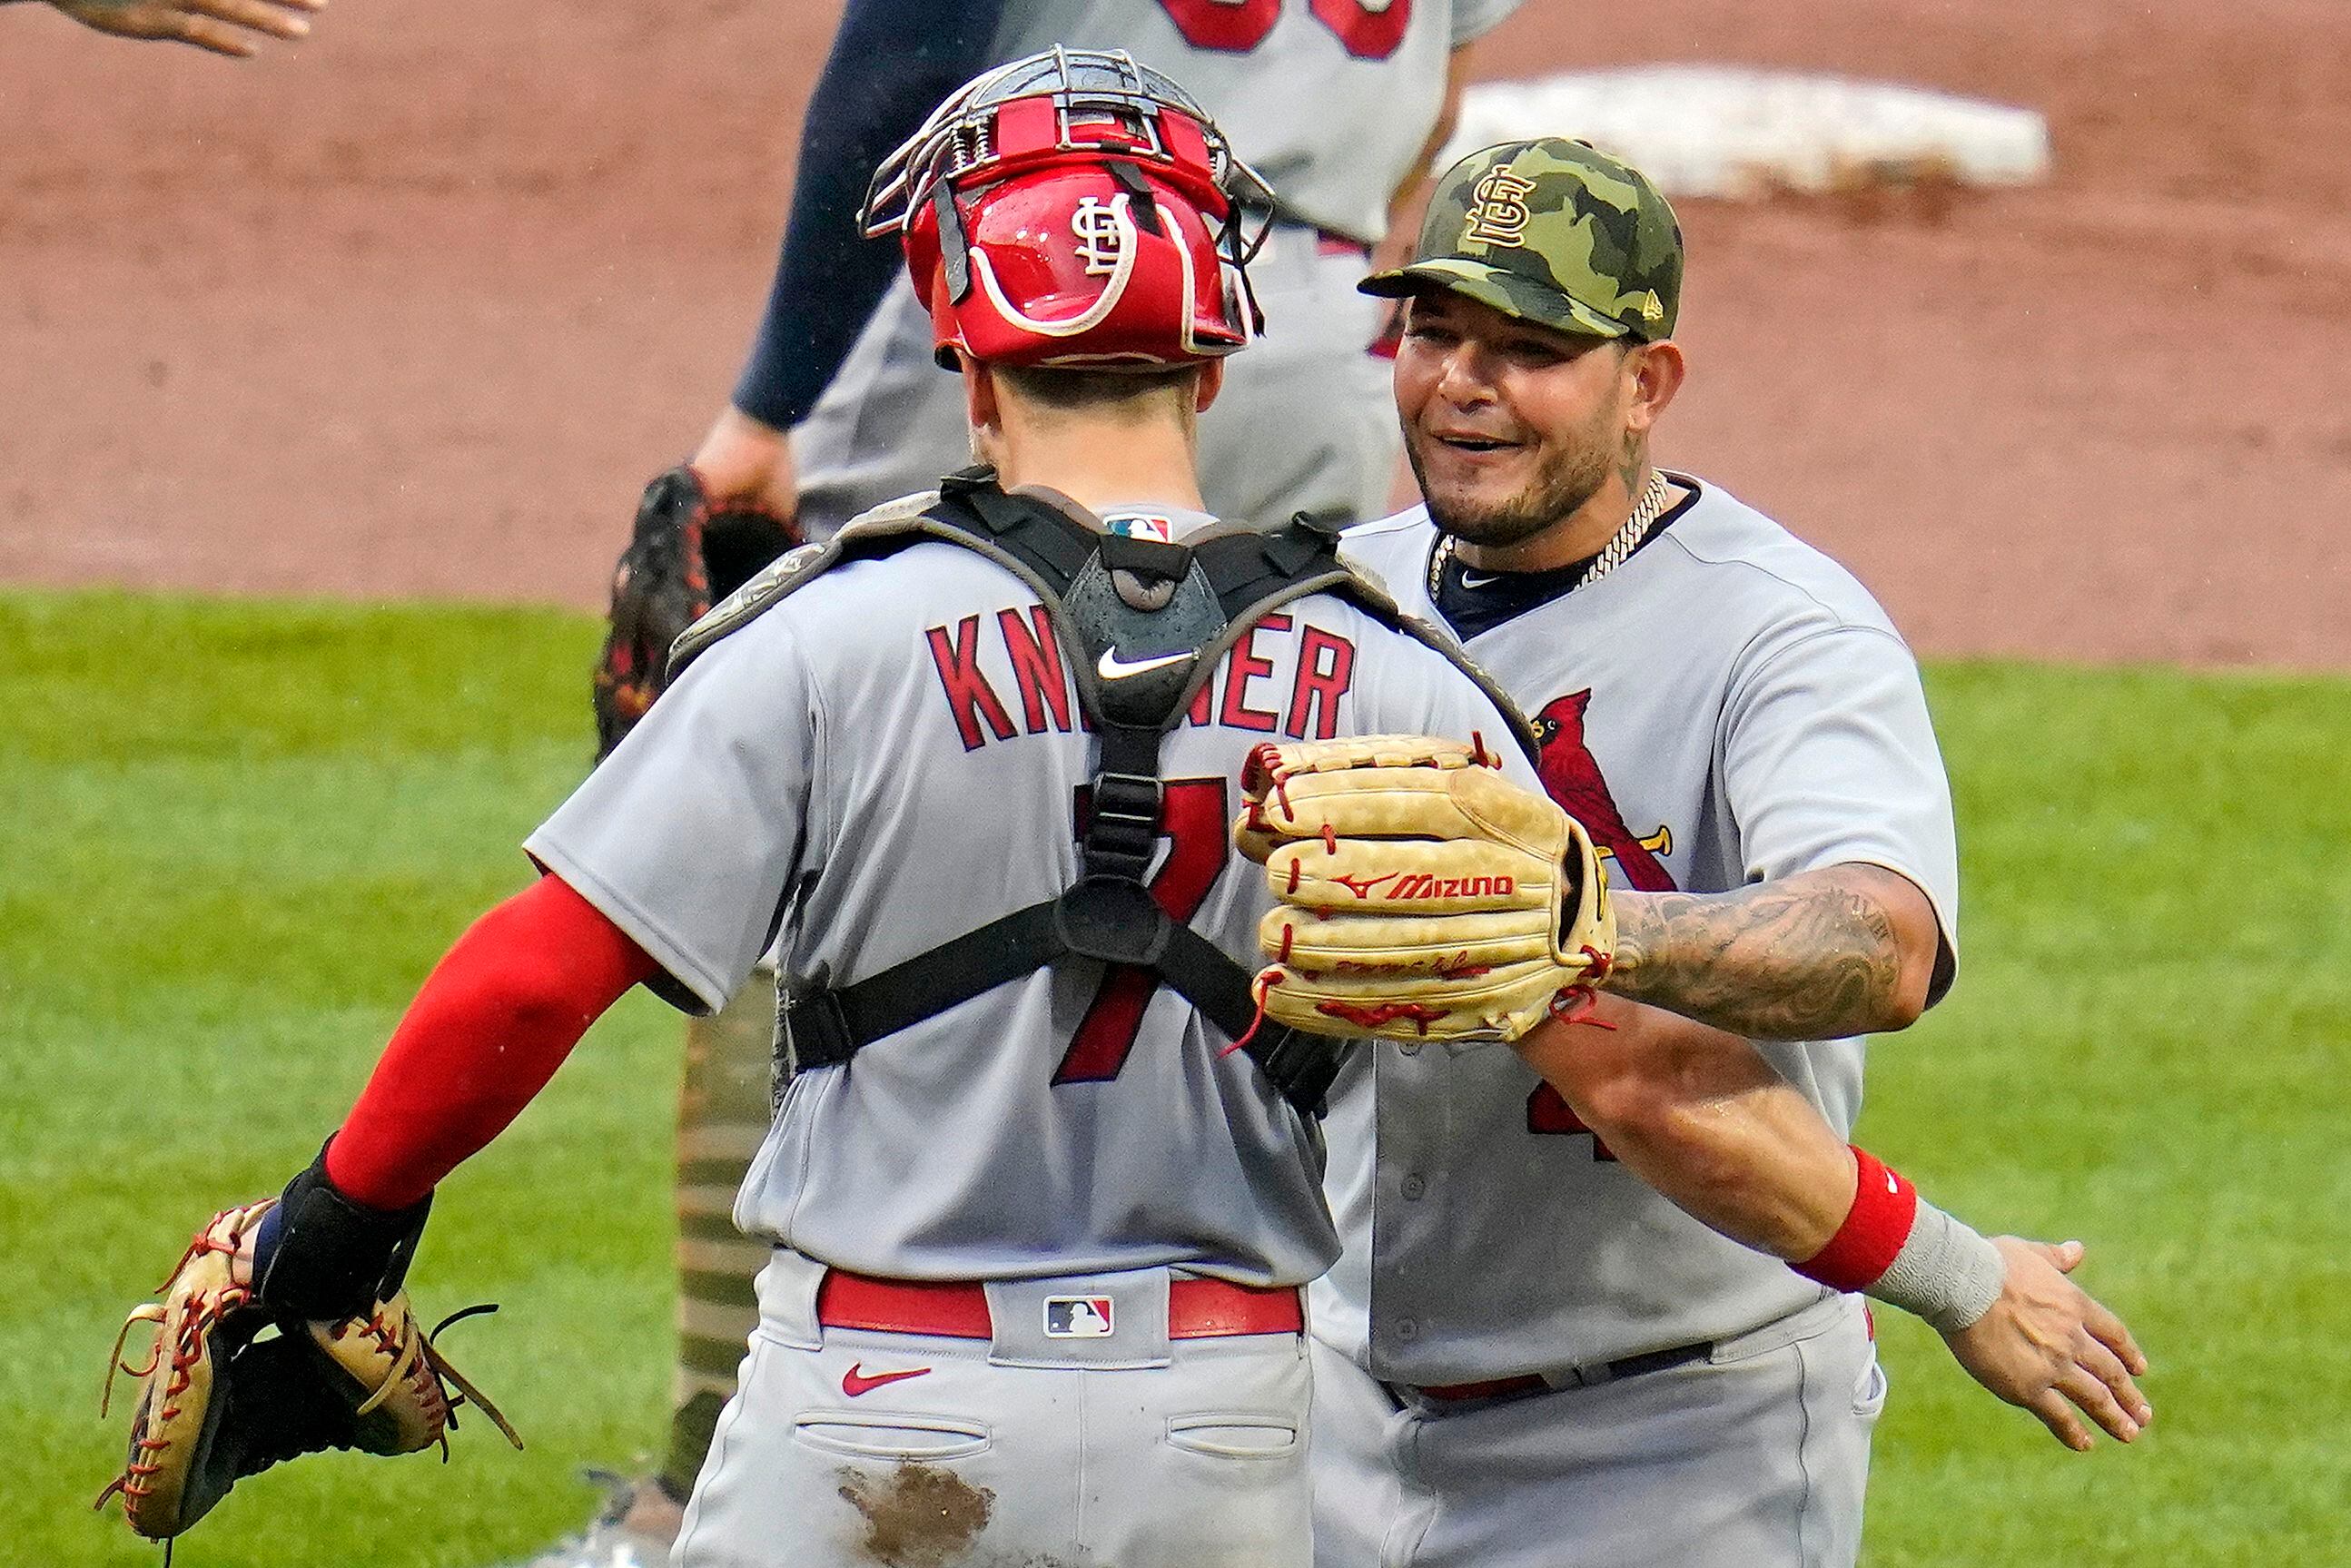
(1078, 1317)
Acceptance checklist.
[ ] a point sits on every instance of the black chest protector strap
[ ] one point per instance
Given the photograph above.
(1145, 623)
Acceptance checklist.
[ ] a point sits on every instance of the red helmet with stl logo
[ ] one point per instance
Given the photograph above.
(1074, 209)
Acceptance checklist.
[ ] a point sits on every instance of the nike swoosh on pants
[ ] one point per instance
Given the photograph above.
(857, 1381)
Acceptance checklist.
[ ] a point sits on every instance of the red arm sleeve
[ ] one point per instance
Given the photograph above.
(494, 1022)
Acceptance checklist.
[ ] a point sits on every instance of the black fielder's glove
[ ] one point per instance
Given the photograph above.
(683, 557)
(322, 1352)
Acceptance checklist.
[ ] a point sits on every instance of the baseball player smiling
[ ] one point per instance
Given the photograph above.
(1528, 1356)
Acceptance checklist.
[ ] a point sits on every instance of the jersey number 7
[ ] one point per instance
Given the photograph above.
(1194, 822)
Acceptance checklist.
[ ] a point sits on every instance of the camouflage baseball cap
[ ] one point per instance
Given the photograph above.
(1555, 232)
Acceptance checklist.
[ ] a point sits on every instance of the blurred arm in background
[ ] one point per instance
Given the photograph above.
(891, 61)
(223, 27)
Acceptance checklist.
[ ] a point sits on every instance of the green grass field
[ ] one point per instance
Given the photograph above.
(235, 836)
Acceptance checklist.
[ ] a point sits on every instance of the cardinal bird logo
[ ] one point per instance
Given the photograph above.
(1574, 779)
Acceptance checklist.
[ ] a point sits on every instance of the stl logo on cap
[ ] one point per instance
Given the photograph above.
(1498, 214)
(1553, 231)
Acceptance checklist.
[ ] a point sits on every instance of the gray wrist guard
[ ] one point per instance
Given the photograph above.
(1946, 1272)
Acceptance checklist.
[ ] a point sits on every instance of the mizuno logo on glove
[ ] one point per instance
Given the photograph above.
(1415, 884)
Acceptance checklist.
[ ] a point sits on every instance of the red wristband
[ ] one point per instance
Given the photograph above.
(1883, 1207)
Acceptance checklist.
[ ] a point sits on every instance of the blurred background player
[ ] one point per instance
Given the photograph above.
(223, 27)
(1339, 104)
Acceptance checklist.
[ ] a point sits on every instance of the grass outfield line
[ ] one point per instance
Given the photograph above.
(238, 834)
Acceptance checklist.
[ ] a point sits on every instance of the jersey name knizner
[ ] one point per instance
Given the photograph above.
(1003, 675)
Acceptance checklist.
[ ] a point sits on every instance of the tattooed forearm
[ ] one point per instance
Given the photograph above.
(1809, 958)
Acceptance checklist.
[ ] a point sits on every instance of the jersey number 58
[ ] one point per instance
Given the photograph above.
(1370, 29)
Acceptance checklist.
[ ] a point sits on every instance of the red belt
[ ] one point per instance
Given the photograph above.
(1492, 1388)
(1196, 1309)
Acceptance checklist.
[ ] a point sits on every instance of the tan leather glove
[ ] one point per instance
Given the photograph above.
(1423, 894)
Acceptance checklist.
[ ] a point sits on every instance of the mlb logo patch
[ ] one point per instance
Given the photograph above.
(1140, 525)
(1077, 1317)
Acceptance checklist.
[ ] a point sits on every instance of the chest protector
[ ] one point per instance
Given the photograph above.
(1144, 624)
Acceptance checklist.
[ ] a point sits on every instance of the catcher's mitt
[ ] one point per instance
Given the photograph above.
(232, 1387)
(682, 558)
(1423, 894)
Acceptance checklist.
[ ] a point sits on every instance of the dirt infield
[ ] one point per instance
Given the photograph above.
(416, 308)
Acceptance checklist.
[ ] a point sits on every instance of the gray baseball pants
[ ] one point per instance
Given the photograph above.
(1756, 1457)
(849, 1448)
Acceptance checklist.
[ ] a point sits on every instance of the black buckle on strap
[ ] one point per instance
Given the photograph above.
(816, 1030)
(1123, 828)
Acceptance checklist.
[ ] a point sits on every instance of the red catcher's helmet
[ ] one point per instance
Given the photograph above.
(1075, 209)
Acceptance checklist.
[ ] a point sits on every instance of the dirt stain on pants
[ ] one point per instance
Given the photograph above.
(917, 1516)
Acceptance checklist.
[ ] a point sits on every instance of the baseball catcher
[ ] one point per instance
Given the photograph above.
(1423, 894)
(323, 1352)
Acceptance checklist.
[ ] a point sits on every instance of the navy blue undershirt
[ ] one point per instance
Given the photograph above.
(892, 63)
(1475, 602)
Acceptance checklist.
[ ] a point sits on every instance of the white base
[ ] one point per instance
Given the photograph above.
(1723, 131)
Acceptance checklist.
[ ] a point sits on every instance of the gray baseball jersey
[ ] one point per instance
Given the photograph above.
(1729, 706)
(891, 756)
(1329, 99)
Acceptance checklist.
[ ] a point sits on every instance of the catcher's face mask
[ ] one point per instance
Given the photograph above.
(1075, 209)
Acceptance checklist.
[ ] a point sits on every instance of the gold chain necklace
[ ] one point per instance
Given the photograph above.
(1621, 545)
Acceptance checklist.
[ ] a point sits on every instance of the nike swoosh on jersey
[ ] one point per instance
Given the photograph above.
(1471, 580)
(855, 1382)
(1114, 668)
